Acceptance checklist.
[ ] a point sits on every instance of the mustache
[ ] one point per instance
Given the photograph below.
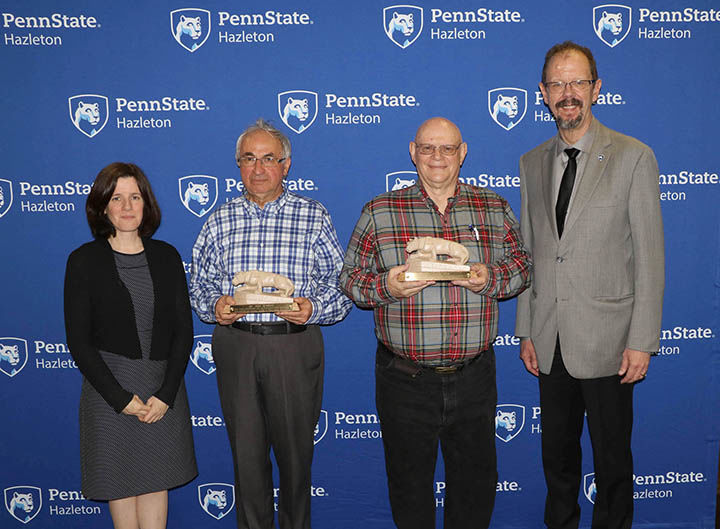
(569, 102)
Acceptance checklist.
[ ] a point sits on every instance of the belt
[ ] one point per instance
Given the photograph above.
(269, 328)
(412, 368)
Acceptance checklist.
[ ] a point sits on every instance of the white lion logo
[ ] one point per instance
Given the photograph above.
(217, 498)
(402, 23)
(10, 353)
(592, 491)
(87, 112)
(188, 26)
(297, 108)
(401, 183)
(506, 105)
(505, 419)
(22, 502)
(198, 192)
(204, 351)
(609, 22)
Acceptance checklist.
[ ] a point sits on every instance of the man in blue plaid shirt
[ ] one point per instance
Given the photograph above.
(269, 366)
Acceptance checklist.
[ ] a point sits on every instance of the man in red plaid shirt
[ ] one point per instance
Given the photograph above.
(435, 367)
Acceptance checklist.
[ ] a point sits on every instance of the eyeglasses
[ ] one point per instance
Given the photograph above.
(579, 85)
(268, 160)
(427, 149)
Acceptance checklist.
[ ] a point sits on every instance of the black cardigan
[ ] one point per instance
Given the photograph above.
(99, 315)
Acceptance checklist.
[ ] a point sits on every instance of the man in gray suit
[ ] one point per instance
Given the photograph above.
(591, 219)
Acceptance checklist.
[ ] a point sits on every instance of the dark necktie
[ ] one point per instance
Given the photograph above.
(566, 187)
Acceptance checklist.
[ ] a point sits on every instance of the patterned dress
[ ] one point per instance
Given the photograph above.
(119, 455)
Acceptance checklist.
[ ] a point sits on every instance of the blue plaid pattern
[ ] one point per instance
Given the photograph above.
(292, 236)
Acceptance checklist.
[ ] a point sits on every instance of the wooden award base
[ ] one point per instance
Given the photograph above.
(435, 271)
(256, 303)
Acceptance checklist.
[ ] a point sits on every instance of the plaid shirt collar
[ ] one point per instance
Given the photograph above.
(419, 189)
(271, 208)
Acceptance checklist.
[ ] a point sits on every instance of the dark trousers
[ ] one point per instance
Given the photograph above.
(458, 411)
(564, 401)
(271, 391)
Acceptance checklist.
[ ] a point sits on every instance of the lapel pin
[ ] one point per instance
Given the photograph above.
(601, 157)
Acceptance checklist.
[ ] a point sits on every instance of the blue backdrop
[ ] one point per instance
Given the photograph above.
(170, 87)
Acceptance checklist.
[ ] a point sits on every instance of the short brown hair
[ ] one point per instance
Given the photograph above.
(565, 47)
(103, 189)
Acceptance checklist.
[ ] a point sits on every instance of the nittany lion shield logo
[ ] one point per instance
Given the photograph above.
(403, 24)
(399, 180)
(216, 499)
(201, 354)
(321, 427)
(198, 193)
(190, 27)
(612, 22)
(507, 106)
(6, 196)
(589, 487)
(509, 421)
(23, 502)
(298, 109)
(89, 113)
(13, 355)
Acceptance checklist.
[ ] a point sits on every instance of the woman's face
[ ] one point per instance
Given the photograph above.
(125, 209)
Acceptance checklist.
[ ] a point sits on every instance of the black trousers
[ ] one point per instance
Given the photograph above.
(458, 411)
(270, 391)
(609, 405)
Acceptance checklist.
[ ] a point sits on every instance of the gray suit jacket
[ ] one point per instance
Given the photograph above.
(600, 288)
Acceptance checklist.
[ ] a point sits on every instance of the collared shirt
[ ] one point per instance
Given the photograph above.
(443, 323)
(560, 161)
(292, 236)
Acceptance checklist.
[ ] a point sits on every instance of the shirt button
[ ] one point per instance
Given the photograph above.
(560, 259)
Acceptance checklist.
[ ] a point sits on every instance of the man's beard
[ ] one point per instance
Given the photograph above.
(571, 123)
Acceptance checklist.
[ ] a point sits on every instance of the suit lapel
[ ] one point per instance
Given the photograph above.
(598, 158)
(547, 185)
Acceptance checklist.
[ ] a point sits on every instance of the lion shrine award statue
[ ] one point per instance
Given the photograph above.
(425, 266)
(250, 297)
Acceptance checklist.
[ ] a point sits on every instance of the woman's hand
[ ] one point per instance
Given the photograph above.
(137, 408)
(156, 410)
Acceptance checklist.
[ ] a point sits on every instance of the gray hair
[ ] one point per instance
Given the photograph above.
(263, 125)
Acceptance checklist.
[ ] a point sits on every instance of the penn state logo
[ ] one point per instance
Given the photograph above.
(6, 196)
(89, 113)
(589, 487)
(403, 24)
(13, 355)
(201, 354)
(298, 109)
(198, 193)
(321, 427)
(507, 106)
(216, 499)
(509, 421)
(400, 180)
(23, 502)
(612, 22)
(190, 27)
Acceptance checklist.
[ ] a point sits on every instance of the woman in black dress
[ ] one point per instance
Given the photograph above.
(129, 329)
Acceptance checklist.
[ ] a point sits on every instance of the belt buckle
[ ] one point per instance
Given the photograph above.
(444, 370)
(257, 328)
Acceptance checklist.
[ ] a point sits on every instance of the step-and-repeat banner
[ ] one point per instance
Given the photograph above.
(170, 85)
